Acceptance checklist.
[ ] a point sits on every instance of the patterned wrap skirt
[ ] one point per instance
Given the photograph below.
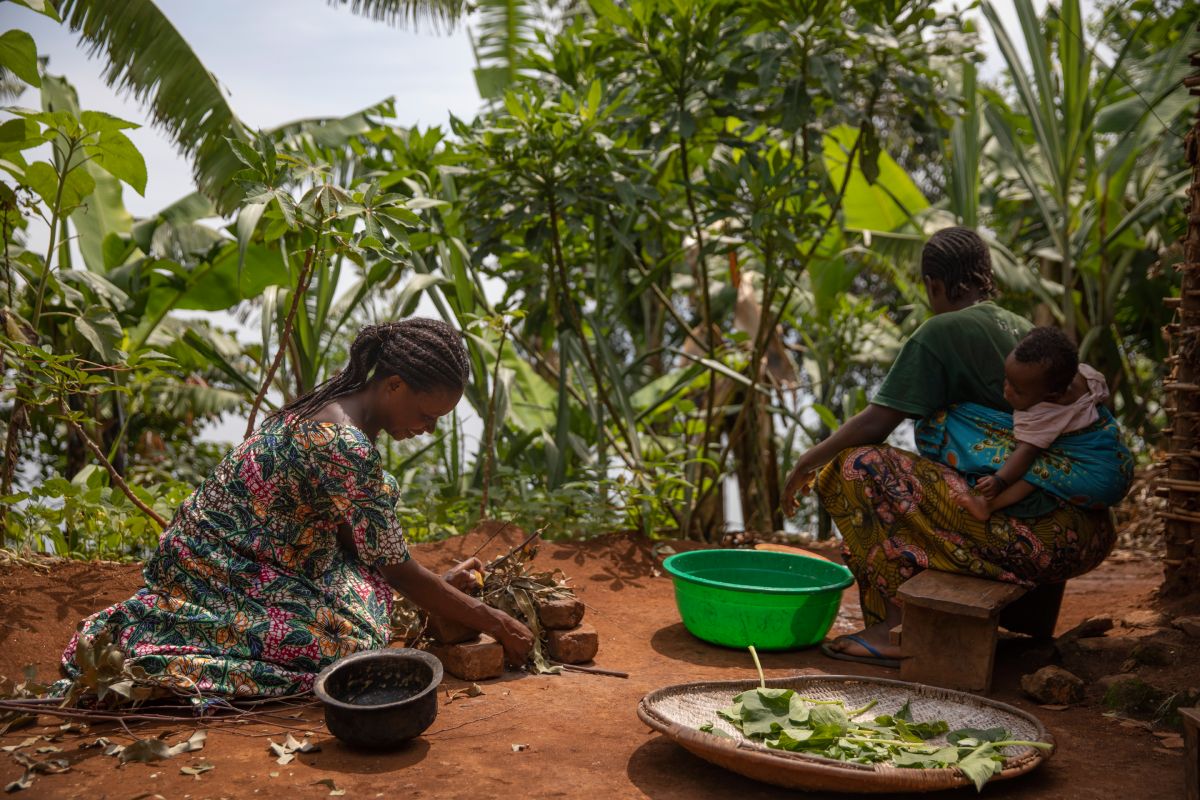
(898, 514)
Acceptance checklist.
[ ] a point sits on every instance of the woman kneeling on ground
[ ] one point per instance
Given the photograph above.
(899, 513)
(283, 560)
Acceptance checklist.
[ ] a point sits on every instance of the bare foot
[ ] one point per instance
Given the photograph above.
(975, 504)
(875, 635)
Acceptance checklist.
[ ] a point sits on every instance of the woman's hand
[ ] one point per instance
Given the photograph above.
(516, 639)
(869, 426)
(437, 595)
(800, 480)
(466, 576)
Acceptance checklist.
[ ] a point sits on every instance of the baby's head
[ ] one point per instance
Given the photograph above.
(1040, 368)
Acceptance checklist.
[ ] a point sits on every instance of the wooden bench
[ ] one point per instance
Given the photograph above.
(949, 630)
(1191, 739)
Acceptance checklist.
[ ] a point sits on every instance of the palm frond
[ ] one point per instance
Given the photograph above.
(505, 32)
(439, 13)
(149, 59)
(183, 398)
(11, 87)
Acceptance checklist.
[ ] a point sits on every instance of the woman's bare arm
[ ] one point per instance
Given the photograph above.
(872, 425)
(432, 593)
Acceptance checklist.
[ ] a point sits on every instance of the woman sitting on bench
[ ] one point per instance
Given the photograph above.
(899, 513)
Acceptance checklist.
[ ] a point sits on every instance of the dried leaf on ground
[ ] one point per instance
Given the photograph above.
(49, 766)
(467, 691)
(23, 782)
(286, 752)
(106, 675)
(28, 742)
(517, 748)
(193, 743)
(28, 688)
(301, 747)
(145, 751)
(334, 791)
(197, 770)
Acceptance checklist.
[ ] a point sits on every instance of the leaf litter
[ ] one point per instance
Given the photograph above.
(473, 690)
(197, 770)
(334, 791)
(285, 753)
(146, 751)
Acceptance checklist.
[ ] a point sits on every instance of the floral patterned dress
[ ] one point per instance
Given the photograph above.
(249, 592)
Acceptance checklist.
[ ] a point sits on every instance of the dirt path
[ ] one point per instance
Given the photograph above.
(582, 732)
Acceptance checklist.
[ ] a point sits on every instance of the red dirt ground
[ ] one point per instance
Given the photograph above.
(583, 735)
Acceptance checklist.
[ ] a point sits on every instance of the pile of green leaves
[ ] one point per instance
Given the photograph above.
(784, 720)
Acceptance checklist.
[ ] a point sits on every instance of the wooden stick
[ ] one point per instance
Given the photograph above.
(612, 673)
(513, 551)
(489, 539)
(112, 472)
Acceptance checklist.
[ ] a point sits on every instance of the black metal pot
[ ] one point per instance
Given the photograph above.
(380, 699)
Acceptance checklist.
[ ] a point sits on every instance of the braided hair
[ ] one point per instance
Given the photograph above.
(960, 260)
(1051, 348)
(427, 354)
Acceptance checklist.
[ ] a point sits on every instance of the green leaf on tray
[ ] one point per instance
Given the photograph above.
(981, 764)
(784, 720)
(977, 734)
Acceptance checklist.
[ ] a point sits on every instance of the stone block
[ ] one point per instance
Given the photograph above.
(1090, 627)
(1053, 686)
(1132, 695)
(1108, 644)
(575, 646)
(445, 631)
(560, 613)
(1145, 618)
(472, 661)
(1155, 653)
(1189, 625)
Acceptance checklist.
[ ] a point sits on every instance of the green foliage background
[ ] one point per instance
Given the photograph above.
(706, 217)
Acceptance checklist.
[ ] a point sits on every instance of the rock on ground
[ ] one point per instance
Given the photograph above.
(1053, 686)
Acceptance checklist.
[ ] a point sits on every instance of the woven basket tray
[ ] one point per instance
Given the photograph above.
(679, 711)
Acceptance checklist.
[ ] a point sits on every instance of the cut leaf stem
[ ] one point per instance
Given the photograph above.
(762, 680)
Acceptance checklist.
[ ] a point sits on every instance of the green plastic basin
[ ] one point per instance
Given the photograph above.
(774, 601)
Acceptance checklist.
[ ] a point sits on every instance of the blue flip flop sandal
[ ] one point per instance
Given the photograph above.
(876, 658)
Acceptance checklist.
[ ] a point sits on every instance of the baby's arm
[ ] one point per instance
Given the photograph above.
(1017, 464)
(1005, 487)
(1015, 467)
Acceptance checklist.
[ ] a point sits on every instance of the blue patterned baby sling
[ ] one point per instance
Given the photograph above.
(1091, 468)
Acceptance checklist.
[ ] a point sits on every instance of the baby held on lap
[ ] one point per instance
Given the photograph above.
(1051, 393)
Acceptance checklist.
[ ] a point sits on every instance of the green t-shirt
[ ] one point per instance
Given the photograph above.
(955, 357)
